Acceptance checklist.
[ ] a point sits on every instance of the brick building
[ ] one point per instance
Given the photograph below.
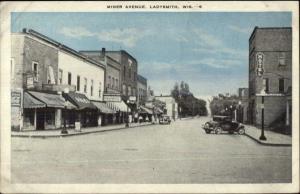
(142, 90)
(270, 72)
(52, 83)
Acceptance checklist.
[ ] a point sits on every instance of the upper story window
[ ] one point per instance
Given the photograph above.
(92, 87)
(124, 72)
(50, 76)
(266, 85)
(113, 83)
(100, 90)
(281, 85)
(35, 70)
(129, 91)
(69, 78)
(109, 81)
(60, 76)
(281, 58)
(12, 68)
(78, 83)
(117, 84)
(85, 85)
(124, 89)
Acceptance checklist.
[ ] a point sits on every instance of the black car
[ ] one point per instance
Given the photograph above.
(164, 119)
(223, 123)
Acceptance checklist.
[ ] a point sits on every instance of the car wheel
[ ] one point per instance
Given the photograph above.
(218, 130)
(207, 131)
(241, 131)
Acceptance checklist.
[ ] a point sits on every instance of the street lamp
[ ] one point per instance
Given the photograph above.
(262, 136)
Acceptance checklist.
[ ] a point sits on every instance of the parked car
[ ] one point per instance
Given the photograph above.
(223, 123)
(164, 119)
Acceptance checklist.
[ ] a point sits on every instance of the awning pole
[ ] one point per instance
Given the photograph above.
(35, 112)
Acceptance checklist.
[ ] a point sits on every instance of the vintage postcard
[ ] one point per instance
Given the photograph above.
(149, 97)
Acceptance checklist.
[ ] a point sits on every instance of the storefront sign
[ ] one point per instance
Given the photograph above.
(15, 98)
(132, 98)
(112, 98)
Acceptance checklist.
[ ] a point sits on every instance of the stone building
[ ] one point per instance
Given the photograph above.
(142, 90)
(270, 75)
(171, 106)
(52, 83)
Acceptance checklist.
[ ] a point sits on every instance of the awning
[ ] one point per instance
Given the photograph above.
(69, 105)
(103, 107)
(146, 110)
(51, 100)
(119, 106)
(80, 100)
(31, 102)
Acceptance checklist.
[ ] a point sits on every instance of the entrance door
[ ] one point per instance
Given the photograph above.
(40, 120)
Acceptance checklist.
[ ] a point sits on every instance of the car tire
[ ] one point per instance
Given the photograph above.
(241, 131)
(207, 131)
(218, 130)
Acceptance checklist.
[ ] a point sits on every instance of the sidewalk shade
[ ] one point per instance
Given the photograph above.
(80, 100)
(31, 102)
(146, 110)
(119, 106)
(51, 100)
(103, 108)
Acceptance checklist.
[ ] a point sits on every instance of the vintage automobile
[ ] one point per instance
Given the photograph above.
(164, 119)
(223, 123)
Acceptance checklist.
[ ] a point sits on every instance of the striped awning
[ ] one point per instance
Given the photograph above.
(31, 102)
(103, 107)
(146, 110)
(51, 100)
(119, 106)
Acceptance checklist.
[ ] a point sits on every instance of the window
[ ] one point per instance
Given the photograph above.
(35, 70)
(69, 78)
(124, 72)
(117, 84)
(60, 75)
(50, 75)
(281, 85)
(109, 81)
(12, 68)
(85, 85)
(124, 89)
(92, 87)
(134, 79)
(78, 83)
(113, 83)
(266, 84)
(281, 58)
(100, 86)
(129, 91)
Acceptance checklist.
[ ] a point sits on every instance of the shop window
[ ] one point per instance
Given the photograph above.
(78, 83)
(92, 87)
(69, 78)
(60, 76)
(281, 85)
(35, 70)
(85, 85)
(266, 84)
(50, 117)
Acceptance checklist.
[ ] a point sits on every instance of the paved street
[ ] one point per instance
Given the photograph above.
(176, 153)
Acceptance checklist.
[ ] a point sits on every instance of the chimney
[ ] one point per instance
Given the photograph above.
(103, 52)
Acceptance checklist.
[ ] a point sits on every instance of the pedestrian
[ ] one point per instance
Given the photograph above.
(140, 119)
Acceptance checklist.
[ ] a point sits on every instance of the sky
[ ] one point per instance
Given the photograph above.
(208, 50)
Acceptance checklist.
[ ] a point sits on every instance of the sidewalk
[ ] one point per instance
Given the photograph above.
(273, 138)
(72, 132)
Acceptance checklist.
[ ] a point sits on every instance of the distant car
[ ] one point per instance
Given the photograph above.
(164, 119)
(223, 123)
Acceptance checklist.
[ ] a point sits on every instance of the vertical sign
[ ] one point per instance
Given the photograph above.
(259, 64)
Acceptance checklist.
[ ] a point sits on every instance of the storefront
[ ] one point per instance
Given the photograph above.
(105, 114)
(42, 110)
(86, 113)
(146, 113)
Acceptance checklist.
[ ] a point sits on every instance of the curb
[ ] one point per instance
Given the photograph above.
(267, 144)
(75, 134)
